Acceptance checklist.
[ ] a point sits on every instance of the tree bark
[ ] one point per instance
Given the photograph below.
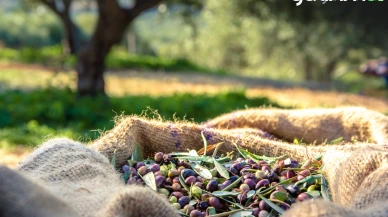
(111, 25)
(73, 35)
(308, 74)
(330, 70)
(72, 32)
(91, 58)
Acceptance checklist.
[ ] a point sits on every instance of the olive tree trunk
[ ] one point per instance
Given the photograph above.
(111, 25)
(72, 33)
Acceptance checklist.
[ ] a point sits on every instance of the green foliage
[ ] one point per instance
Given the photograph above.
(117, 59)
(63, 114)
(20, 28)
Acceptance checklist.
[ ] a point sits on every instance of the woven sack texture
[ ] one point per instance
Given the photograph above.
(80, 179)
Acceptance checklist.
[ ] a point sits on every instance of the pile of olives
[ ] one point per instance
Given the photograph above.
(250, 185)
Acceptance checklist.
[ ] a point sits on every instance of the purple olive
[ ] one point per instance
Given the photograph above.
(225, 184)
(265, 168)
(125, 168)
(284, 207)
(264, 206)
(215, 202)
(199, 179)
(176, 187)
(263, 213)
(158, 157)
(168, 181)
(244, 188)
(205, 197)
(212, 185)
(241, 198)
(187, 209)
(233, 171)
(183, 201)
(142, 170)
(237, 166)
(233, 178)
(255, 212)
(167, 158)
(184, 164)
(196, 213)
(132, 180)
(177, 194)
(159, 174)
(288, 174)
(139, 164)
(198, 184)
(176, 180)
(203, 205)
(250, 183)
(154, 168)
(293, 190)
(189, 180)
(173, 173)
(250, 161)
(291, 164)
(159, 180)
(303, 197)
(262, 183)
(272, 177)
(139, 182)
(187, 172)
(256, 166)
(250, 176)
(303, 174)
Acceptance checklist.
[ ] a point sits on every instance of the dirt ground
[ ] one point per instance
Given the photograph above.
(159, 83)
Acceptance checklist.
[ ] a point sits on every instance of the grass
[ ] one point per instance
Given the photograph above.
(56, 112)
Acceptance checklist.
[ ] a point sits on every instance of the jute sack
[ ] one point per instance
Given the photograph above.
(79, 179)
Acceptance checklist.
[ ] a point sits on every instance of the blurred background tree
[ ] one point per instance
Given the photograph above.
(272, 39)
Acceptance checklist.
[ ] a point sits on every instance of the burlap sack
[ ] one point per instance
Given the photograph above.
(80, 177)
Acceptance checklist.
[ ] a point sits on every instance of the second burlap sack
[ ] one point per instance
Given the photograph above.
(357, 171)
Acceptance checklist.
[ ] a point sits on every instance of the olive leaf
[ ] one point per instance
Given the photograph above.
(246, 154)
(218, 145)
(131, 163)
(182, 181)
(193, 202)
(251, 193)
(211, 211)
(137, 155)
(204, 144)
(280, 196)
(313, 194)
(243, 213)
(223, 172)
(182, 213)
(149, 179)
(201, 170)
(336, 141)
(235, 183)
(309, 179)
(113, 161)
(224, 193)
(325, 191)
(272, 205)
